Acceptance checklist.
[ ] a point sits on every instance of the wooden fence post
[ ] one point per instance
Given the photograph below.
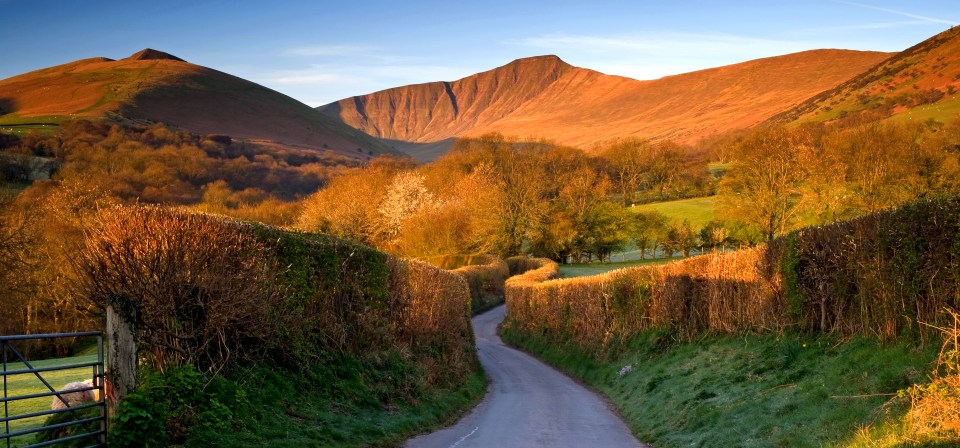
(122, 342)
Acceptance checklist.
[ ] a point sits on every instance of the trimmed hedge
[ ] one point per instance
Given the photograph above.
(206, 290)
(878, 276)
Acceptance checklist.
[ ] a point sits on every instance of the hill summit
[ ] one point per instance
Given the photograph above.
(155, 86)
(149, 54)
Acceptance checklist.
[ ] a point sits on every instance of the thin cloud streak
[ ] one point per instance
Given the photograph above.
(320, 84)
(900, 13)
(670, 44)
(329, 50)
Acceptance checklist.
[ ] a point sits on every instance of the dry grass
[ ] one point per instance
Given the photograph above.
(935, 408)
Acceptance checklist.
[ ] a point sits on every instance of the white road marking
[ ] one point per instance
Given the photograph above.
(465, 437)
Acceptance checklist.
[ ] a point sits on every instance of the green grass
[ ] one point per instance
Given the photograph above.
(46, 125)
(698, 211)
(29, 384)
(944, 111)
(750, 390)
(293, 411)
(586, 269)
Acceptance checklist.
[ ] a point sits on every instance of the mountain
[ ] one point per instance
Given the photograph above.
(918, 83)
(153, 86)
(546, 97)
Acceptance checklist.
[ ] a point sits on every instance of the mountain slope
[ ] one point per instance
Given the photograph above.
(546, 97)
(918, 83)
(155, 86)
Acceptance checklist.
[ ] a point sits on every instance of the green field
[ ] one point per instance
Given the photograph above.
(29, 384)
(586, 269)
(698, 211)
(944, 111)
(15, 124)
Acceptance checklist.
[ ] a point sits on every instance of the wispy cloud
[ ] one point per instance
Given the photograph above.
(330, 50)
(653, 55)
(900, 13)
(667, 44)
(322, 83)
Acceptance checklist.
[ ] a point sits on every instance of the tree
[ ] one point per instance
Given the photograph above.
(605, 229)
(407, 194)
(764, 186)
(714, 235)
(681, 237)
(648, 229)
(879, 163)
(627, 161)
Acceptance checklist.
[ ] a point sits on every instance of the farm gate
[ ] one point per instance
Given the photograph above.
(18, 426)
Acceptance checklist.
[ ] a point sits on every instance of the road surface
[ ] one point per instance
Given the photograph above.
(528, 404)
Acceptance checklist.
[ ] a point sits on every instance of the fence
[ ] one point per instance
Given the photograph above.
(98, 437)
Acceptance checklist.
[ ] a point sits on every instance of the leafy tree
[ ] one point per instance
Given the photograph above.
(715, 235)
(681, 237)
(764, 187)
(605, 229)
(627, 161)
(647, 231)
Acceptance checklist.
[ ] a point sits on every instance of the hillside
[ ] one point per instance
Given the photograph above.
(153, 86)
(919, 83)
(546, 97)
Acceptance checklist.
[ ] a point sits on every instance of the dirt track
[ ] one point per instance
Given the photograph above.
(528, 404)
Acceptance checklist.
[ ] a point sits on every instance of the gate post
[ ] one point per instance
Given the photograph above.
(122, 353)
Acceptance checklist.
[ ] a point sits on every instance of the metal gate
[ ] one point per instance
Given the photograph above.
(96, 438)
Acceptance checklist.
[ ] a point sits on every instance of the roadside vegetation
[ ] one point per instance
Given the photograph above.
(747, 390)
(828, 335)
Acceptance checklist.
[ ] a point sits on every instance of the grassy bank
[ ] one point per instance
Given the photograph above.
(280, 410)
(752, 390)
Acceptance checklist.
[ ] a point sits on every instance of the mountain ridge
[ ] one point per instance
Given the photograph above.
(544, 97)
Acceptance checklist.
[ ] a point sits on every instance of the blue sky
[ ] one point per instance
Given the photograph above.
(322, 51)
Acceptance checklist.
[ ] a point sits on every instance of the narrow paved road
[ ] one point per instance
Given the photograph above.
(528, 404)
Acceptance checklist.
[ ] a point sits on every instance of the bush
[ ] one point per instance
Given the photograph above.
(167, 406)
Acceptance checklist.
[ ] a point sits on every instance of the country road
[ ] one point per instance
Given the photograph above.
(528, 404)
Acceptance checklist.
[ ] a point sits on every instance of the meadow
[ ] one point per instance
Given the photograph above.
(698, 211)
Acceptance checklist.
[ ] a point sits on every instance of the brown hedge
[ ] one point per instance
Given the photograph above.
(206, 290)
(879, 275)
(486, 278)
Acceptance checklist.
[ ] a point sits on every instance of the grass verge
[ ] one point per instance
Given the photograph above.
(268, 407)
(290, 411)
(750, 390)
